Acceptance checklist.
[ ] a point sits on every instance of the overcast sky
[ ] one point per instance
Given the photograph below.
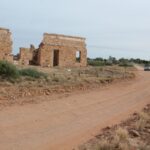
(119, 28)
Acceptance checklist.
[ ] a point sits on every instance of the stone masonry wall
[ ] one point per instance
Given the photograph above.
(25, 56)
(54, 50)
(67, 47)
(5, 45)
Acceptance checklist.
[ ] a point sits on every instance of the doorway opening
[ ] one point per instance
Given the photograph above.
(56, 58)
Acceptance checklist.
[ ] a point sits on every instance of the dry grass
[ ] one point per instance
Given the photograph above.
(122, 137)
(60, 80)
(120, 141)
(104, 145)
(144, 147)
(143, 118)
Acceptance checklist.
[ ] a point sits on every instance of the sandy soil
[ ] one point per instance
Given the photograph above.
(65, 122)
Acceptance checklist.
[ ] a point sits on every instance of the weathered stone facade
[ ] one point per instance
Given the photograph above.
(5, 45)
(54, 50)
(61, 50)
(26, 55)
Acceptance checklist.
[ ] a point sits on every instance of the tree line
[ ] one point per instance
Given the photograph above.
(99, 61)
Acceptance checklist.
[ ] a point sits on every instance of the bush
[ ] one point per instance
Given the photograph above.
(99, 62)
(8, 70)
(122, 64)
(32, 73)
(95, 63)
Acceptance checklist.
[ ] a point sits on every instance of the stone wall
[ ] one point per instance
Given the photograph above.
(66, 47)
(54, 50)
(27, 55)
(5, 45)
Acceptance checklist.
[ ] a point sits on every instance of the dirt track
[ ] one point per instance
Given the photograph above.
(64, 123)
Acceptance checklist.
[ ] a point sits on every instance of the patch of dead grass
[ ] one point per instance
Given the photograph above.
(132, 134)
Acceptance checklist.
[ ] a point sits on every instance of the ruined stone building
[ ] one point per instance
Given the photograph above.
(5, 45)
(60, 50)
(56, 50)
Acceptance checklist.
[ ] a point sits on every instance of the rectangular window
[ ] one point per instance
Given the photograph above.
(78, 56)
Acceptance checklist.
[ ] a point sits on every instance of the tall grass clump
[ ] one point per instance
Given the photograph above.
(11, 72)
(32, 73)
(8, 70)
(141, 123)
(104, 145)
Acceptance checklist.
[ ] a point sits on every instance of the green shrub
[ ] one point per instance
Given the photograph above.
(124, 64)
(8, 70)
(32, 73)
(96, 63)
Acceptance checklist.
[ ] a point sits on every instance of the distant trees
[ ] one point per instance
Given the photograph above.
(140, 61)
(99, 61)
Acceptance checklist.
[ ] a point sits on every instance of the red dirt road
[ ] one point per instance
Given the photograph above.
(66, 122)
